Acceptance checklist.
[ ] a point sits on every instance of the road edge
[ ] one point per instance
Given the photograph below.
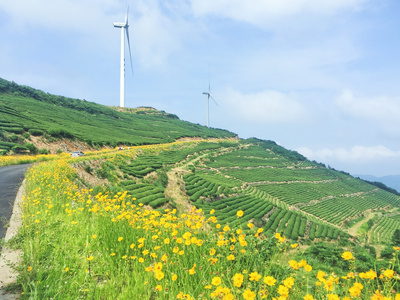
(10, 258)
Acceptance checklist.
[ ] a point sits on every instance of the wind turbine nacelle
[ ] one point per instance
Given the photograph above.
(119, 24)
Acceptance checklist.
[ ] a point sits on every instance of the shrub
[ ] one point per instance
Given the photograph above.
(12, 138)
(36, 132)
(17, 130)
(88, 169)
(127, 182)
(60, 133)
(162, 179)
(18, 149)
(44, 151)
(31, 147)
(387, 252)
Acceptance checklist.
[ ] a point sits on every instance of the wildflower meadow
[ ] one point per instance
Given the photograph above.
(81, 244)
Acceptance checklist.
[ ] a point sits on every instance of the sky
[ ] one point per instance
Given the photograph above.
(316, 76)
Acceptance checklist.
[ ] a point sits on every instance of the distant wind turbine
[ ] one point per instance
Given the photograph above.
(209, 95)
(124, 29)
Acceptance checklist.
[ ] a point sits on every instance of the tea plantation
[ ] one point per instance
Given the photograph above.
(278, 190)
(25, 111)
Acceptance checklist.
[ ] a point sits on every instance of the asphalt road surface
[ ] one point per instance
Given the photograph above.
(10, 180)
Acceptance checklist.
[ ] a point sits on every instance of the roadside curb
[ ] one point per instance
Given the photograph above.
(10, 258)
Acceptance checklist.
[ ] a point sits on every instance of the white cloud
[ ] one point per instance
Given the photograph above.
(265, 107)
(156, 34)
(380, 111)
(261, 12)
(356, 154)
(379, 108)
(61, 14)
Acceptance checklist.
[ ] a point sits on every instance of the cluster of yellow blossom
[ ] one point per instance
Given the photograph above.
(297, 265)
(279, 237)
(175, 255)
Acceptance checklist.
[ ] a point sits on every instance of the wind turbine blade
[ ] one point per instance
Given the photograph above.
(129, 47)
(126, 17)
(214, 99)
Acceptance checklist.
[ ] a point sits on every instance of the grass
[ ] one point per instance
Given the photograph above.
(78, 244)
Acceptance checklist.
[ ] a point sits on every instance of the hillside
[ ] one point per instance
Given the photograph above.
(27, 112)
(186, 212)
(279, 190)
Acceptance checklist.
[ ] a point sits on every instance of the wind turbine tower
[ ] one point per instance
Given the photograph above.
(209, 95)
(124, 30)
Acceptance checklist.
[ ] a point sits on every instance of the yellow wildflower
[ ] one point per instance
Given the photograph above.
(269, 280)
(248, 295)
(308, 268)
(388, 273)
(293, 264)
(254, 276)
(347, 255)
(238, 280)
(216, 281)
(289, 282)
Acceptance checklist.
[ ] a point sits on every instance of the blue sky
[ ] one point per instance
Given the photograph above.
(316, 76)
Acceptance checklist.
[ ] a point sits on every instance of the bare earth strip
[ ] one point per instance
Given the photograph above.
(173, 190)
(10, 258)
(353, 230)
(176, 184)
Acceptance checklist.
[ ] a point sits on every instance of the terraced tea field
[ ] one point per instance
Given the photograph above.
(312, 203)
(26, 112)
(283, 192)
(278, 190)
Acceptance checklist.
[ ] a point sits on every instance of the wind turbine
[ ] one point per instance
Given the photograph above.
(209, 95)
(124, 29)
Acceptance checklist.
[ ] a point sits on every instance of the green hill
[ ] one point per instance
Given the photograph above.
(25, 111)
(171, 216)
(283, 192)
(278, 190)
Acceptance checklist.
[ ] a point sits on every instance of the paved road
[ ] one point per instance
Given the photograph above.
(10, 180)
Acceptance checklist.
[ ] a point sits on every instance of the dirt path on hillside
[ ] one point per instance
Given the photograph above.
(353, 230)
(176, 185)
(175, 188)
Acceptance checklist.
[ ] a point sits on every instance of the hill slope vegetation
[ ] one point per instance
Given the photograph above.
(278, 190)
(26, 112)
(168, 216)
